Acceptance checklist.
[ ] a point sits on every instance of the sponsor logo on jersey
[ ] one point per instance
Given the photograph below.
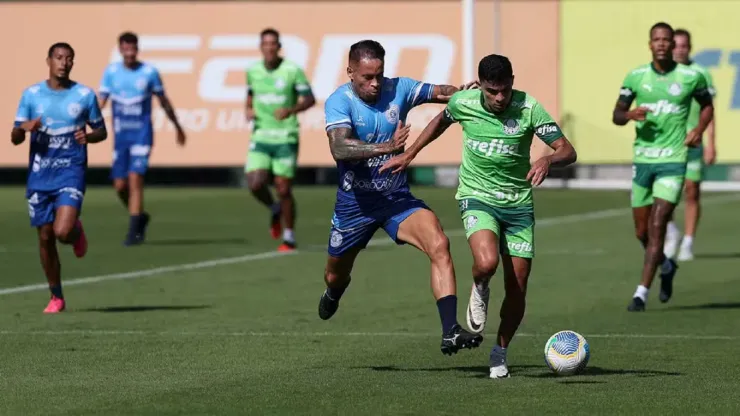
(653, 152)
(662, 107)
(271, 99)
(511, 126)
(498, 146)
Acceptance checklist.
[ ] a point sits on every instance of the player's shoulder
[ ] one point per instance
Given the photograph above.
(147, 69)
(466, 98)
(34, 90)
(639, 71)
(688, 71)
(343, 94)
(113, 67)
(257, 66)
(290, 66)
(82, 90)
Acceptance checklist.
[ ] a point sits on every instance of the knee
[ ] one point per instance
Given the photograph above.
(120, 186)
(46, 236)
(641, 235)
(438, 248)
(62, 232)
(283, 190)
(486, 265)
(255, 183)
(335, 279)
(692, 194)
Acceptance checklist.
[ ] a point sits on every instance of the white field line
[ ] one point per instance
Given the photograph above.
(136, 274)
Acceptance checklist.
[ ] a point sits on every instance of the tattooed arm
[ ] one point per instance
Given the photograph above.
(344, 147)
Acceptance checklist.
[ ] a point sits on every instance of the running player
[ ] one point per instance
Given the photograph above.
(698, 157)
(663, 90)
(277, 90)
(495, 191)
(365, 124)
(56, 112)
(130, 85)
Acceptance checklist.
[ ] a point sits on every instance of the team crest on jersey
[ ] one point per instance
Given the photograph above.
(280, 83)
(470, 222)
(391, 114)
(336, 239)
(675, 89)
(349, 178)
(141, 84)
(74, 109)
(511, 126)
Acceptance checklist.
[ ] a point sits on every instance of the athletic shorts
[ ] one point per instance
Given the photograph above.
(353, 227)
(695, 165)
(514, 226)
(657, 180)
(43, 205)
(130, 158)
(280, 159)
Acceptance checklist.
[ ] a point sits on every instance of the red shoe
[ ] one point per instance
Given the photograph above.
(80, 246)
(286, 247)
(275, 227)
(55, 305)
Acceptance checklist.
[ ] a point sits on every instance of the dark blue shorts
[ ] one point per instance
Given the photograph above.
(43, 205)
(130, 158)
(353, 228)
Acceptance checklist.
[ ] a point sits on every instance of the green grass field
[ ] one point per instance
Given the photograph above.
(203, 321)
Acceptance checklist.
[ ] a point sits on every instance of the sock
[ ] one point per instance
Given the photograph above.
(134, 224)
(481, 286)
(447, 312)
(641, 292)
(666, 267)
(335, 293)
(288, 236)
(671, 229)
(498, 351)
(687, 241)
(275, 208)
(56, 291)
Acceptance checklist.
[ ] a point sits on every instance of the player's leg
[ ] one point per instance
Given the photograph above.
(41, 212)
(692, 189)
(415, 224)
(672, 238)
(284, 169)
(137, 167)
(257, 170)
(119, 173)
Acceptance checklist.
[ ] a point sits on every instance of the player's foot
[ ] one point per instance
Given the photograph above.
(55, 305)
(457, 338)
(498, 366)
(477, 309)
(686, 253)
(80, 246)
(667, 272)
(327, 306)
(133, 240)
(637, 305)
(287, 246)
(275, 227)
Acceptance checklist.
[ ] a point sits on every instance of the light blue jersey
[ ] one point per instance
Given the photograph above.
(367, 199)
(57, 163)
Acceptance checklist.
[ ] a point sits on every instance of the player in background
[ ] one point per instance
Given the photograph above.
(277, 90)
(365, 125)
(495, 191)
(129, 85)
(56, 113)
(663, 91)
(697, 158)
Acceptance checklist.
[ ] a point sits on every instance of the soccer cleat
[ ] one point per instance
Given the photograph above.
(686, 253)
(666, 280)
(286, 247)
(477, 309)
(80, 246)
(637, 305)
(327, 306)
(671, 244)
(55, 305)
(498, 366)
(276, 228)
(133, 240)
(458, 338)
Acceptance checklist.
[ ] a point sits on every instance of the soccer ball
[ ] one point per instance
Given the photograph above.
(567, 353)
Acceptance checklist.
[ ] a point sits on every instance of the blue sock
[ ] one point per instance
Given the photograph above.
(57, 291)
(134, 224)
(448, 312)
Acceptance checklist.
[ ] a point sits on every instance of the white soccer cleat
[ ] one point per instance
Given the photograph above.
(499, 369)
(477, 310)
(686, 253)
(671, 244)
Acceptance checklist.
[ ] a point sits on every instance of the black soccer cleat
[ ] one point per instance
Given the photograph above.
(458, 338)
(666, 281)
(327, 306)
(637, 305)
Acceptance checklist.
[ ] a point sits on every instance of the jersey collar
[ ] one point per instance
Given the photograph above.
(652, 66)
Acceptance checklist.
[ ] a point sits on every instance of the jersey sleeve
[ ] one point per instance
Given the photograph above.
(544, 125)
(24, 110)
(710, 83)
(338, 112)
(417, 92)
(156, 83)
(701, 92)
(302, 86)
(452, 109)
(628, 90)
(94, 116)
(106, 83)
(246, 82)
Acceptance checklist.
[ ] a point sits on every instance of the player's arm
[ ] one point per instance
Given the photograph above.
(105, 87)
(622, 113)
(23, 122)
(549, 132)
(345, 147)
(157, 87)
(96, 122)
(302, 87)
(249, 102)
(703, 96)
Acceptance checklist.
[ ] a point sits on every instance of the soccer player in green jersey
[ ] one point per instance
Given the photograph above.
(697, 158)
(663, 91)
(277, 90)
(495, 191)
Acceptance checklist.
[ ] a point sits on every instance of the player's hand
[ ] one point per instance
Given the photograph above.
(181, 138)
(396, 163)
(282, 113)
(710, 155)
(468, 86)
(81, 136)
(31, 125)
(693, 138)
(539, 171)
(638, 114)
(398, 141)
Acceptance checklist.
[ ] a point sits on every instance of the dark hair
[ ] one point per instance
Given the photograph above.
(63, 45)
(661, 25)
(366, 49)
(128, 37)
(495, 68)
(271, 32)
(683, 32)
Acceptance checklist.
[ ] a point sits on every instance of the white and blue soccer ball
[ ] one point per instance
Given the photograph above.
(567, 353)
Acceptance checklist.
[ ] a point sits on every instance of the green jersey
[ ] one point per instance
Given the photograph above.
(660, 137)
(271, 90)
(495, 159)
(695, 108)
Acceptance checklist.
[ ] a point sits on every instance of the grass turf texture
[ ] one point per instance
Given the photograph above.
(245, 338)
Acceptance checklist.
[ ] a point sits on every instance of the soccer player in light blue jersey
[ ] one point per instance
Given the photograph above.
(130, 85)
(365, 124)
(56, 113)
